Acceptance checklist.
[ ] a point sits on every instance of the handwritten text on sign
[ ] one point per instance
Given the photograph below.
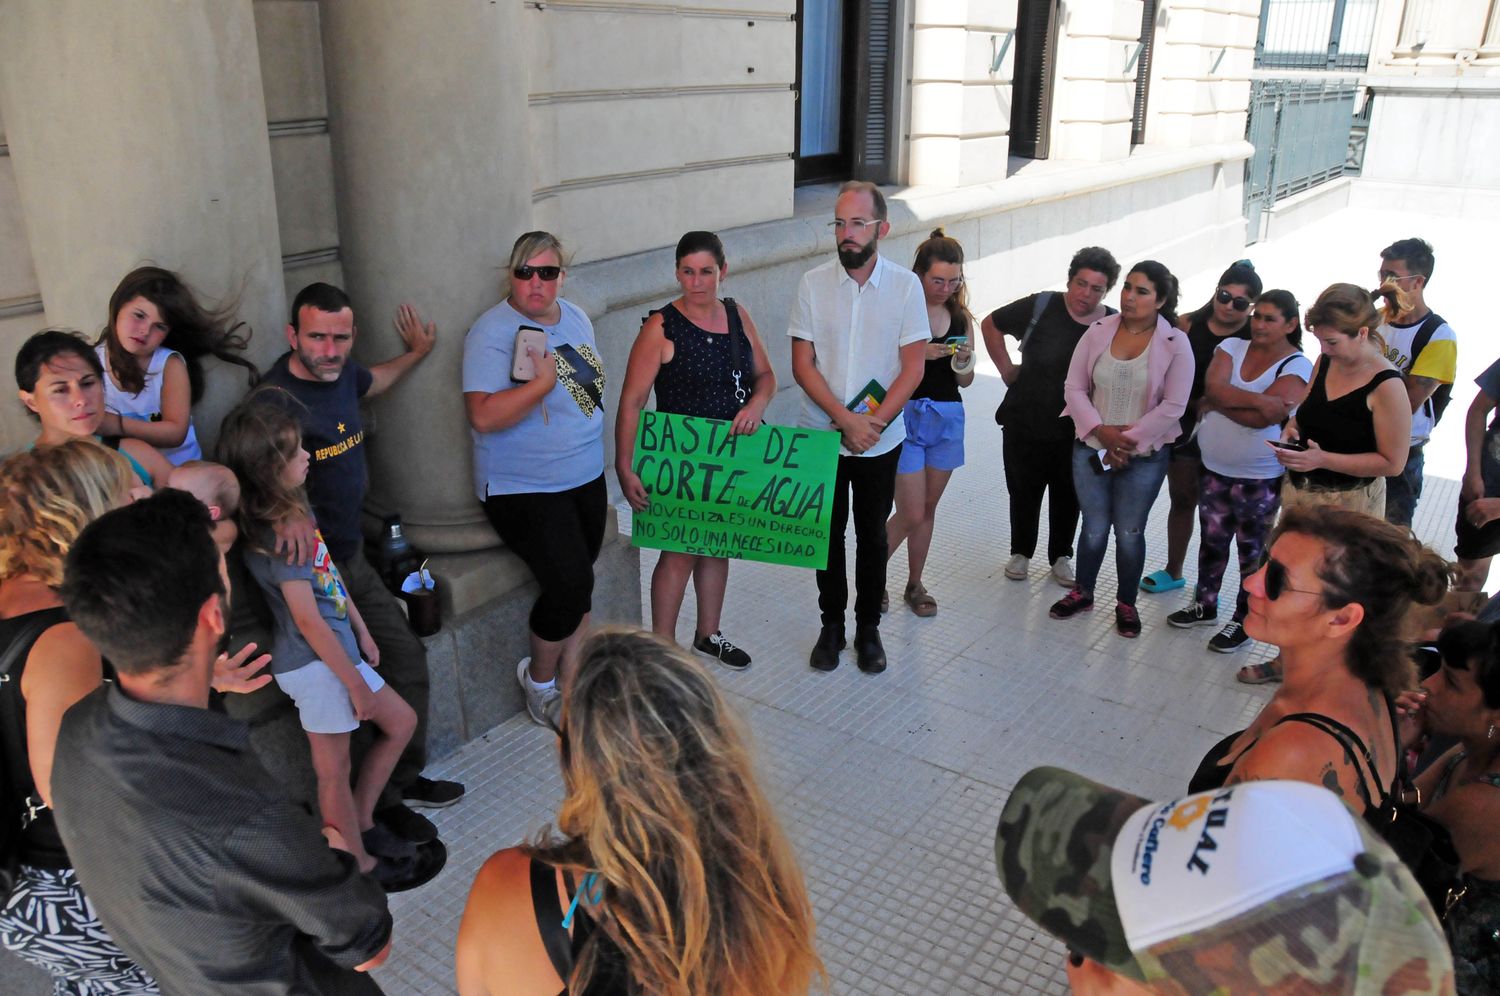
(766, 496)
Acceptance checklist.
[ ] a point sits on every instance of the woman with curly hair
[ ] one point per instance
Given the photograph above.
(152, 351)
(669, 873)
(1332, 596)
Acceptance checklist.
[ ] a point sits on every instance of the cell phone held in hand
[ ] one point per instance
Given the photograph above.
(1296, 445)
(522, 366)
(1096, 461)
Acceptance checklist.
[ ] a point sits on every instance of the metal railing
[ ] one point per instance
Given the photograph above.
(1301, 132)
(1315, 34)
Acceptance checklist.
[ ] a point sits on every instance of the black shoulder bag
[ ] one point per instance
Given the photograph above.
(17, 809)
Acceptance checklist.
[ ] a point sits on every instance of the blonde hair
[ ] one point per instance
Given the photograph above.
(701, 891)
(529, 245)
(49, 494)
(256, 441)
(1349, 308)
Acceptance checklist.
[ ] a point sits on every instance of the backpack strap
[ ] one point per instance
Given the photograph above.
(12, 720)
(1040, 305)
(1354, 749)
(549, 918)
(1282, 365)
(1438, 400)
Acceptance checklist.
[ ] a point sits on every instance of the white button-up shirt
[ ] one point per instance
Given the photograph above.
(857, 334)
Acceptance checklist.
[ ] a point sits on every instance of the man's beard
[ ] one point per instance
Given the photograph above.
(853, 259)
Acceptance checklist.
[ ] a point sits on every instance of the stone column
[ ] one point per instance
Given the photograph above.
(138, 133)
(429, 119)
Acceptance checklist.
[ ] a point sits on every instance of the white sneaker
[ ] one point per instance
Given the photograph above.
(1017, 567)
(1062, 572)
(541, 703)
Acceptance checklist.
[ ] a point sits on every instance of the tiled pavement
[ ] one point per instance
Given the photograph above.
(890, 786)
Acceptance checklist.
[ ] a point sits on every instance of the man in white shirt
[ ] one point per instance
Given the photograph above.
(1425, 349)
(859, 331)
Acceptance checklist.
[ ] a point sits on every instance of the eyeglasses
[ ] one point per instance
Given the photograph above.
(547, 273)
(942, 284)
(1240, 303)
(853, 224)
(1276, 584)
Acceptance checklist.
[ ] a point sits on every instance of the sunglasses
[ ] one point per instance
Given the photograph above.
(1240, 303)
(547, 273)
(1275, 581)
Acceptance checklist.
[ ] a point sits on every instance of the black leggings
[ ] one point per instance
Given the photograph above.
(558, 534)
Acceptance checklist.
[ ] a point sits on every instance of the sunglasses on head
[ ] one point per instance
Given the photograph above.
(547, 273)
(1275, 581)
(1240, 303)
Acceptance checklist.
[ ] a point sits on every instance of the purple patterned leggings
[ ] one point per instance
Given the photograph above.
(1230, 508)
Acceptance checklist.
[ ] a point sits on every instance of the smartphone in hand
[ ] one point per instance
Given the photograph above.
(1096, 461)
(1295, 445)
(522, 366)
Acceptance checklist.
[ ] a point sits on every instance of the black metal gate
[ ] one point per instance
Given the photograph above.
(1300, 129)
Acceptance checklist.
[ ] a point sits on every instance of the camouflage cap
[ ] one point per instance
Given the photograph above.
(1263, 887)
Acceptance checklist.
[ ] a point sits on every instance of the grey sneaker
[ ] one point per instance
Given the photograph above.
(1017, 567)
(540, 703)
(1062, 572)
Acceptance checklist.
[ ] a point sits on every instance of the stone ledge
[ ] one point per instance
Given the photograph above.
(1435, 86)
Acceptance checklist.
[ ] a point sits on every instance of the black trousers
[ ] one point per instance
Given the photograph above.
(1034, 465)
(872, 482)
(559, 535)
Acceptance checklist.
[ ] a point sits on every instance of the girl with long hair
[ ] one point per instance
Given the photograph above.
(152, 351)
(934, 416)
(323, 655)
(668, 874)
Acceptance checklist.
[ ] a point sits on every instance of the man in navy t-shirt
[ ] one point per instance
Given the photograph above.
(318, 372)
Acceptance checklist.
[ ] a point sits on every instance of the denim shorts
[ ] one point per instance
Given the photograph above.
(323, 703)
(934, 435)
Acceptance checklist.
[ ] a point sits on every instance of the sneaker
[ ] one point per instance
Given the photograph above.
(714, 645)
(406, 824)
(540, 702)
(1062, 572)
(430, 793)
(1196, 614)
(1127, 621)
(1071, 604)
(382, 842)
(1017, 567)
(1229, 639)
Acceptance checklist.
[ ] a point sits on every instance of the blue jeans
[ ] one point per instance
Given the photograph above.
(1403, 490)
(1121, 499)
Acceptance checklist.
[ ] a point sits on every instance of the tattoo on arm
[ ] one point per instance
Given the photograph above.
(1329, 779)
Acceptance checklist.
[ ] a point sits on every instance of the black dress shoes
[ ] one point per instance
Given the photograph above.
(825, 653)
(869, 652)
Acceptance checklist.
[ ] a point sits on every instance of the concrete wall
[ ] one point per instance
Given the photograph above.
(1433, 145)
(1200, 87)
(960, 101)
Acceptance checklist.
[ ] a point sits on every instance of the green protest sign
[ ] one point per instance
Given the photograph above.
(766, 496)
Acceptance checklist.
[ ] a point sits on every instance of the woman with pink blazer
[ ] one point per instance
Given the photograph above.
(1126, 390)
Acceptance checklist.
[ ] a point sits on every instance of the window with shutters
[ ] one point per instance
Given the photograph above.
(1142, 69)
(847, 80)
(1031, 84)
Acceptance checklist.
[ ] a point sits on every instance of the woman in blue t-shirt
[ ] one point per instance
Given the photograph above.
(703, 357)
(538, 426)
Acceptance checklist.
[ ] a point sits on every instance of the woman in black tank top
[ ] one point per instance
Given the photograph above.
(50, 494)
(1332, 596)
(1356, 418)
(667, 873)
(703, 357)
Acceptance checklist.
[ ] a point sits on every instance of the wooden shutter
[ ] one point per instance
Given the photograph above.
(1031, 83)
(875, 90)
(1143, 73)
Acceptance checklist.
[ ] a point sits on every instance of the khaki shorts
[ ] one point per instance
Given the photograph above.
(1369, 499)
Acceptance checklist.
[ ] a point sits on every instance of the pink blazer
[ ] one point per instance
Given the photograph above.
(1169, 372)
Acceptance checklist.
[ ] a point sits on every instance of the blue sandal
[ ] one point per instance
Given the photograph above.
(1159, 581)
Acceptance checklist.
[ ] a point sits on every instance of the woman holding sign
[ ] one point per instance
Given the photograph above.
(534, 394)
(934, 416)
(704, 358)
